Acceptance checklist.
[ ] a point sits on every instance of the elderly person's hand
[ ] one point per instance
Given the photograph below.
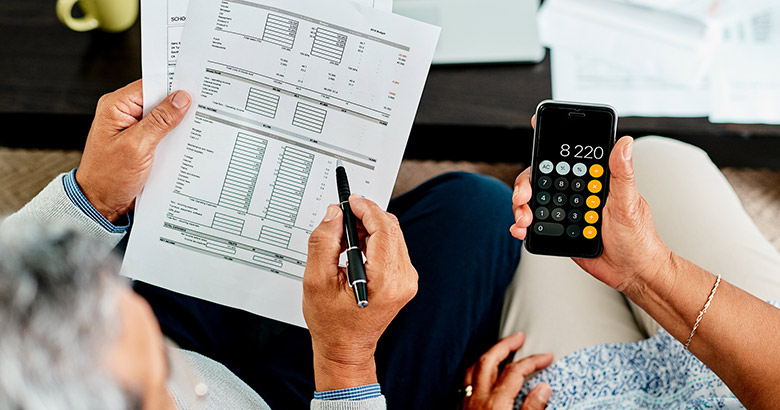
(120, 147)
(344, 336)
(489, 388)
(632, 247)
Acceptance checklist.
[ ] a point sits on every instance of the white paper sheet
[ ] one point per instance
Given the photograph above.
(162, 24)
(281, 89)
(577, 78)
(646, 42)
(746, 72)
(741, 85)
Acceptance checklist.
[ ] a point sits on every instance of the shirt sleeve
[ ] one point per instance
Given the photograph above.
(53, 205)
(369, 391)
(77, 197)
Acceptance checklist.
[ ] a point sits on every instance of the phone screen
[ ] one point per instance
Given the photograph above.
(570, 178)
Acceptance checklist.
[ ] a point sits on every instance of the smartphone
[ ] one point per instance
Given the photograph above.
(570, 178)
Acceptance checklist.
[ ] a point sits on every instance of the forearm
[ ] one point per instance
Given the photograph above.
(737, 337)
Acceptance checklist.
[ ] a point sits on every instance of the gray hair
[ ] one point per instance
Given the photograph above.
(58, 317)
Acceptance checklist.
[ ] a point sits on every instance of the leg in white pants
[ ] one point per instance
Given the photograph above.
(562, 309)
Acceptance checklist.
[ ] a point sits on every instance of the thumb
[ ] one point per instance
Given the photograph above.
(164, 117)
(623, 196)
(325, 240)
(537, 398)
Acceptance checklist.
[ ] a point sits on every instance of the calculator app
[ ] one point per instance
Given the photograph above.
(570, 177)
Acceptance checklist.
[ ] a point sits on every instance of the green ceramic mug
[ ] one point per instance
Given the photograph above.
(108, 15)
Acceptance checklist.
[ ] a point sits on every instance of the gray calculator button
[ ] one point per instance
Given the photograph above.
(559, 199)
(542, 213)
(545, 182)
(562, 168)
(579, 169)
(543, 198)
(573, 231)
(561, 183)
(577, 185)
(575, 215)
(558, 214)
(548, 229)
(546, 167)
(576, 200)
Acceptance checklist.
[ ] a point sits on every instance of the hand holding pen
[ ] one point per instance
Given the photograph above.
(344, 336)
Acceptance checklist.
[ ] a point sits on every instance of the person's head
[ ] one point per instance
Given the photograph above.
(72, 335)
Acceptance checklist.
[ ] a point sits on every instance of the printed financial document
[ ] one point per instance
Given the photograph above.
(162, 24)
(281, 90)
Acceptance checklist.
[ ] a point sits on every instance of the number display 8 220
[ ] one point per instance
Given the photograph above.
(582, 151)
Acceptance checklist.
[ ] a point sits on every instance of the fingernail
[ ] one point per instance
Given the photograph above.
(180, 99)
(518, 214)
(517, 192)
(333, 210)
(628, 149)
(545, 392)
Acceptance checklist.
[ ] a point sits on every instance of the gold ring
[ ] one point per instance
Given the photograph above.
(466, 390)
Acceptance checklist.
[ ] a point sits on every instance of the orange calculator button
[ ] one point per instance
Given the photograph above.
(594, 186)
(593, 202)
(591, 217)
(589, 232)
(596, 170)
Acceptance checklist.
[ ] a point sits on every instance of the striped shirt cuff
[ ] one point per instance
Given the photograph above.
(81, 202)
(369, 391)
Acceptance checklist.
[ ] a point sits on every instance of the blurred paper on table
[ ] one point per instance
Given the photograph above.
(648, 42)
(668, 58)
(746, 72)
(577, 78)
(720, 10)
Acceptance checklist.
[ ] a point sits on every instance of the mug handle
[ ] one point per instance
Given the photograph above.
(65, 14)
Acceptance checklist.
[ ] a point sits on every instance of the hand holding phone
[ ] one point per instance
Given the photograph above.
(631, 246)
(570, 178)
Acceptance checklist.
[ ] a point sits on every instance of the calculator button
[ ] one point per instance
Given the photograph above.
(576, 200)
(559, 199)
(543, 198)
(573, 231)
(546, 167)
(575, 215)
(594, 186)
(593, 202)
(544, 182)
(591, 217)
(577, 185)
(542, 213)
(562, 168)
(561, 183)
(548, 229)
(558, 214)
(589, 232)
(579, 169)
(596, 170)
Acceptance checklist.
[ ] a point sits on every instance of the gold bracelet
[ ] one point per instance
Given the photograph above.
(702, 312)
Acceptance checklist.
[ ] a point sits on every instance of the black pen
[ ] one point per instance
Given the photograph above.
(356, 272)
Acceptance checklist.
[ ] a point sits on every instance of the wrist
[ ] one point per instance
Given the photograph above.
(656, 281)
(111, 214)
(342, 373)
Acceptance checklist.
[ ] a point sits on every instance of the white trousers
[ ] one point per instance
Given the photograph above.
(562, 309)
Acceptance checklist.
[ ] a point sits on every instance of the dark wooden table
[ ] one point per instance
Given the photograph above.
(51, 78)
